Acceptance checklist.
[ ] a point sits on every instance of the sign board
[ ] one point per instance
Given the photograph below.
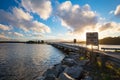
(92, 38)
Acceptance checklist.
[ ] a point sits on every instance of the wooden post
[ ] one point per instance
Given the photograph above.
(103, 59)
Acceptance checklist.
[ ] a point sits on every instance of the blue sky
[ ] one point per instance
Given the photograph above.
(58, 19)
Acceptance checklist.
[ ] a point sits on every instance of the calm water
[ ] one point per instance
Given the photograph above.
(26, 61)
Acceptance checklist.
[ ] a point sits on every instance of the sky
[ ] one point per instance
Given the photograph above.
(58, 19)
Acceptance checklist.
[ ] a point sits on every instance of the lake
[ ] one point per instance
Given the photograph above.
(19, 61)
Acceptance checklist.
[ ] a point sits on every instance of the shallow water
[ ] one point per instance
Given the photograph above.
(26, 61)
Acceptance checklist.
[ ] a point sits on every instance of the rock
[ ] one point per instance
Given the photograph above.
(56, 70)
(40, 78)
(50, 71)
(73, 55)
(88, 78)
(59, 69)
(50, 77)
(64, 76)
(83, 62)
(69, 62)
(47, 77)
(74, 71)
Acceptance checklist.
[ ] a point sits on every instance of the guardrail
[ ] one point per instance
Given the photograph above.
(116, 49)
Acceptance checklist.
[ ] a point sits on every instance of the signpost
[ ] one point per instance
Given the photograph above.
(92, 39)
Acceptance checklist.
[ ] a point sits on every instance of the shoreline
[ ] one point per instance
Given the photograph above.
(83, 65)
(70, 68)
(46, 43)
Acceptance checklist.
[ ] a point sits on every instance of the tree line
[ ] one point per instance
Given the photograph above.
(110, 40)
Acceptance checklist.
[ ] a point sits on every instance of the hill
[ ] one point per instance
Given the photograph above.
(110, 40)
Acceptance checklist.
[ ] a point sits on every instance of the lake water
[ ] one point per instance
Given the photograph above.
(26, 61)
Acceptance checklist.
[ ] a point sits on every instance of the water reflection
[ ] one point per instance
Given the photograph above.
(26, 61)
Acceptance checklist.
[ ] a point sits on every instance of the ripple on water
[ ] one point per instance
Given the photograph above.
(26, 61)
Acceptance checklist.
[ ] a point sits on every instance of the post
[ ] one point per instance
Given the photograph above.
(92, 47)
(98, 47)
(74, 40)
(92, 56)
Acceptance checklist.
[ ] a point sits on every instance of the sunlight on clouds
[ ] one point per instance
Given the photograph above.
(42, 7)
(5, 27)
(65, 6)
(76, 17)
(40, 27)
(81, 19)
(110, 26)
(3, 37)
(75, 7)
(117, 11)
(23, 20)
(20, 14)
(18, 34)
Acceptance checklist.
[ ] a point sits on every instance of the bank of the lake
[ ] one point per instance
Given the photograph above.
(83, 64)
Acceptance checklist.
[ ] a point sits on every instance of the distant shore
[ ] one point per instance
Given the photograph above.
(104, 41)
(63, 42)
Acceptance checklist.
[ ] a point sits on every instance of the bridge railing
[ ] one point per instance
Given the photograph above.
(115, 49)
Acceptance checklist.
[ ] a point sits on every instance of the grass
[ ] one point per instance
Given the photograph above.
(82, 58)
(110, 72)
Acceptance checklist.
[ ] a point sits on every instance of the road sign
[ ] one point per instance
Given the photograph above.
(92, 38)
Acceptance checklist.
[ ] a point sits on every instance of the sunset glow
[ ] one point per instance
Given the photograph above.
(58, 20)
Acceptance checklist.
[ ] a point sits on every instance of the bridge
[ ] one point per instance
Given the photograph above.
(113, 57)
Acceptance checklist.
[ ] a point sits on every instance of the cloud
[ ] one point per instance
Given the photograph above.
(119, 29)
(76, 17)
(111, 12)
(18, 34)
(40, 27)
(113, 26)
(7, 17)
(5, 27)
(117, 11)
(3, 37)
(65, 6)
(20, 14)
(21, 19)
(42, 7)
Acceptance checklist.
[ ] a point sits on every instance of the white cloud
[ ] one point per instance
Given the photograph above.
(3, 37)
(20, 14)
(117, 11)
(18, 34)
(42, 7)
(21, 19)
(65, 6)
(40, 27)
(111, 12)
(76, 17)
(110, 26)
(5, 27)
